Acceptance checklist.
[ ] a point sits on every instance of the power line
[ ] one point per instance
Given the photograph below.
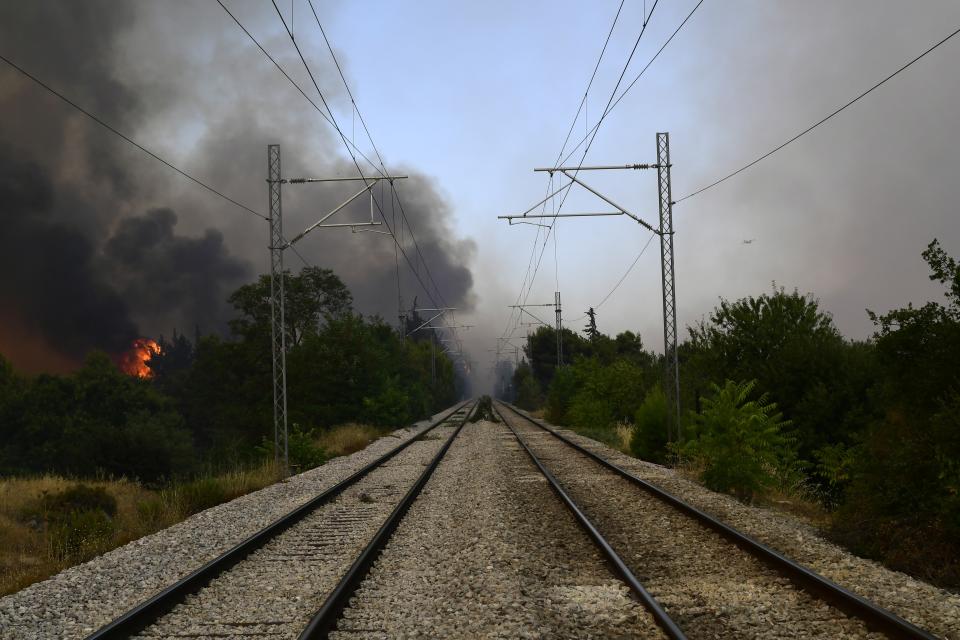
(333, 122)
(363, 123)
(635, 79)
(596, 129)
(819, 122)
(607, 111)
(139, 146)
(562, 148)
(290, 79)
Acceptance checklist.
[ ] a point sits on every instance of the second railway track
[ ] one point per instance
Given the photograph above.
(710, 585)
(275, 587)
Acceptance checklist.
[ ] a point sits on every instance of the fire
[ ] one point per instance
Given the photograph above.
(134, 361)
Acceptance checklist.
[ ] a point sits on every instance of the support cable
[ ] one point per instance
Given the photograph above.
(139, 146)
(363, 123)
(819, 122)
(333, 122)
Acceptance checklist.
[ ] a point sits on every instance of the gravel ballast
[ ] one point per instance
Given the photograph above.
(933, 609)
(275, 591)
(81, 599)
(488, 551)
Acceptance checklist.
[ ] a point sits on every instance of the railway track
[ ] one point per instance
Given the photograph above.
(289, 579)
(699, 577)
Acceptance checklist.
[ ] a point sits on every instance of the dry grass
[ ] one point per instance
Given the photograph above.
(624, 431)
(348, 438)
(29, 549)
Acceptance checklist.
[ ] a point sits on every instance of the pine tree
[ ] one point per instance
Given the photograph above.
(591, 328)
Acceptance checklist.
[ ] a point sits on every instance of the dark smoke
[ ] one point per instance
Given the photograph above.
(93, 251)
(50, 277)
(79, 268)
(180, 278)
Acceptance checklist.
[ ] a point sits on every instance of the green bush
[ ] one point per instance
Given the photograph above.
(649, 440)
(302, 449)
(199, 494)
(739, 444)
(561, 391)
(79, 532)
(79, 497)
(78, 520)
(606, 395)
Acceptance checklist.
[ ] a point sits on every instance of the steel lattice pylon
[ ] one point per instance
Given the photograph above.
(671, 360)
(277, 315)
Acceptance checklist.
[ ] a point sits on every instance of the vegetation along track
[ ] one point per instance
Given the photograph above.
(272, 583)
(709, 579)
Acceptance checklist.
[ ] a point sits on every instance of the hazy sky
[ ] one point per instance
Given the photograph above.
(469, 97)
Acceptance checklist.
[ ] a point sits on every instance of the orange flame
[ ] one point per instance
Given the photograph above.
(134, 361)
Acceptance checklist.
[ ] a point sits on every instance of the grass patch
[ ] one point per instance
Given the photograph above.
(348, 438)
(49, 523)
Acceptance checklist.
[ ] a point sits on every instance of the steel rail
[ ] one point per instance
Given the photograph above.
(149, 611)
(325, 620)
(656, 610)
(836, 595)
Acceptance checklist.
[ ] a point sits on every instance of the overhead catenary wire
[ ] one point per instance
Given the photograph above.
(576, 116)
(606, 112)
(128, 139)
(291, 80)
(586, 149)
(622, 278)
(821, 121)
(332, 120)
(363, 123)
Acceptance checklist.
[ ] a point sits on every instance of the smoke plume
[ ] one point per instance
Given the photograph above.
(102, 244)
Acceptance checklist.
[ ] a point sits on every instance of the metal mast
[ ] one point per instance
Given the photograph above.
(277, 298)
(277, 315)
(671, 359)
(556, 304)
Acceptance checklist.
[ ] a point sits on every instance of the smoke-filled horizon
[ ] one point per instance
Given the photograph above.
(102, 244)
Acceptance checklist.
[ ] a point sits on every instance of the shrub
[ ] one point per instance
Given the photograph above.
(649, 440)
(302, 448)
(739, 443)
(562, 388)
(78, 520)
(79, 497)
(79, 532)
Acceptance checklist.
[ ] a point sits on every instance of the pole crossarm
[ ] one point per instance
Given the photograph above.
(575, 180)
(320, 222)
(608, 200)
(450, 326)
(432, 318)
(513, 217)
(356, 179)
(603, 167)
(523, 310)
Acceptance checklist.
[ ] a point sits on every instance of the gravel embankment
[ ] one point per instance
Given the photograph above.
(275, 591)
(488, 551)
(79, 600)
(931, 608)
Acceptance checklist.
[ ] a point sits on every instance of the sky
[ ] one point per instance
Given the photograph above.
(467, 98)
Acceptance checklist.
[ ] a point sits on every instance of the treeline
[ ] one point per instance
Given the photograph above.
(209, 402)
(775, 400)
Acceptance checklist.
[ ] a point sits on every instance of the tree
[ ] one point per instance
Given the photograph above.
(903, 500)
(529, 395)
(794, 352)
(591, 328)
(649, 439)
(739, 443)
(312, 297)
(541, 352)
